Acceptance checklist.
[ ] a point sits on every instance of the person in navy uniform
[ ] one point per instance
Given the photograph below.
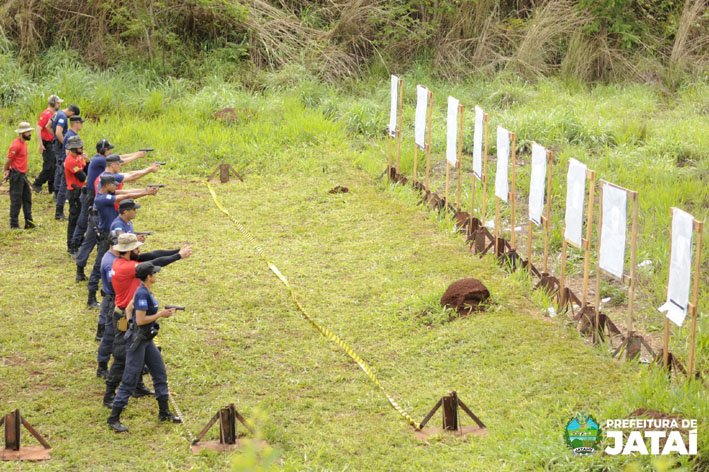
(123, 223)
(143, 351)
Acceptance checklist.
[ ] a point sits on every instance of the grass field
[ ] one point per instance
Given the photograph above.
(370, 265)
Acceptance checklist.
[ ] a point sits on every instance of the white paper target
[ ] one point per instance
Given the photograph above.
(452, 131)
(478, 142)
(575, 196)
(502, 184)
(613, 230)
(420, 117)
(537, 183)
(680, 267)
(394, 104)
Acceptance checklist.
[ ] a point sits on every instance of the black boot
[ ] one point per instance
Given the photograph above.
(92, 302)
(80, 276)
(165, 413)
(114, 421)
(102, 370)
(141, 390)
(100, 328)
(109, 396)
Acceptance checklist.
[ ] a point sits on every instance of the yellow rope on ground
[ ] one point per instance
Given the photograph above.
(322, 329)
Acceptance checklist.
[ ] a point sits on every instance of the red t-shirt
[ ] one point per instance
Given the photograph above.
(42, 122)
(72, 165)
(17, 154)
(124, 281)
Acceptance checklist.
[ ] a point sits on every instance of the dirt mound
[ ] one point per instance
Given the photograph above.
(226, 114)
(339, 189)
(466, 296)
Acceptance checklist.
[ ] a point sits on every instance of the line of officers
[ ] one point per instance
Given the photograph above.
(101, 214)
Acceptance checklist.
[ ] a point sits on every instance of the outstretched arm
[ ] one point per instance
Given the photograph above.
(136, 174)
(130, 157)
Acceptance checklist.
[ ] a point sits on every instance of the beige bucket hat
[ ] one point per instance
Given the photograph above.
(127, 242)
(23, 127)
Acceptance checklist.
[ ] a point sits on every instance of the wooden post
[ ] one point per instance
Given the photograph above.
(513, 193)
(562, 277)
(598, 267)
(633, 263)
(483, 214)
(459, 166)
(428, 138)
(547, 218)
(666, 337)
(699, 227)
(450, 412)
(389, 156)
(448, 172)
(591, 175)
(398, 125)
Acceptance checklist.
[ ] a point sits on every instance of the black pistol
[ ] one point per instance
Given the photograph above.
(156, 185)
(174, 307)
(146, 149)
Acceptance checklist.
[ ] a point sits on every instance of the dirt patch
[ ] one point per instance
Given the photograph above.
(339, 189)
(466, 296)
(234, 115)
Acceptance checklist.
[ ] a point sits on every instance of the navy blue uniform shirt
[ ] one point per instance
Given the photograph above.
(105, 205)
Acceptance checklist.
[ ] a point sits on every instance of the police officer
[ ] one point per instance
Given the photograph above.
(127, 211)
(15, 170)
(142, 351)
(97, 166)
(60, 127)
(75, 176)
(124, 284)
(105, 205)
(45, 138)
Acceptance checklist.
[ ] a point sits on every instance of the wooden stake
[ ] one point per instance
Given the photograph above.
(483, 215)
(459, 164)
(591, 175)
(398, 125)
(513, 193)
(699, 227)
(633, 262)
(547, 218)
(666, 338)
(448, 173)
(497, 224)
(562, 277)
(598, 266)
(429, 114)
(389, 157)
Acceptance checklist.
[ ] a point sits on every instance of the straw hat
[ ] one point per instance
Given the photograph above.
(127, 242)
(23, 127)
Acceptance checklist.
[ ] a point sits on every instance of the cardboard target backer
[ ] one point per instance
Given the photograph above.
(394, 105)
(420, 117)
(478, 142)
(680, 267)
(575, 196)
(537, 183)
(452, 131)
(502, 183)
(613, 230)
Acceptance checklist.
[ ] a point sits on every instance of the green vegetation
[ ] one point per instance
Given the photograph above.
(369, 264)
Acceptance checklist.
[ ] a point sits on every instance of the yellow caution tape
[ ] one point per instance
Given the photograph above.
(322, 329)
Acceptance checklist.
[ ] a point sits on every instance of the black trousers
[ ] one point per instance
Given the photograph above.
(118, 366)
(73, 198)
(49, 162)
(20, 197)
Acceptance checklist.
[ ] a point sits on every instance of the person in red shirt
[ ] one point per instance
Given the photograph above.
(15, 170)
(74, 166)
(124, 283)
(45, 137)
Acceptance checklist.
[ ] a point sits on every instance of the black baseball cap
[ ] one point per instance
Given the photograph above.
(145, 269)
(114, 158)
(108, 179)
(74, 109)
(76, 118)
(103, 145)
(128, 204)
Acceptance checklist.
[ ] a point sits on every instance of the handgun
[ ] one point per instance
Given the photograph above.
(156, 185)
(160, 163)
(174, 307)
(143, 233)
(146, 149)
